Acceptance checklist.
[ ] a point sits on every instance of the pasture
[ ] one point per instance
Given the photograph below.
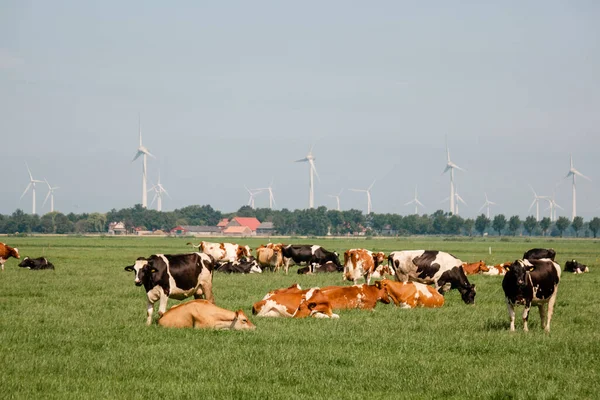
(79, 332)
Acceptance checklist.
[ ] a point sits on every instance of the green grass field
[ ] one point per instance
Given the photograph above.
(79, 332)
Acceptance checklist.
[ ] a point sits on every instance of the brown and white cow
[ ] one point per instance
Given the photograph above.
(362, 296)
(6, 252)
(411, 294)
(204, 314)
(475, 268)
(361, 263)
(295, 304)
(224, 251)
(498, 269)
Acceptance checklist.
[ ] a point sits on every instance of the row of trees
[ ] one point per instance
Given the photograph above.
(318, 221)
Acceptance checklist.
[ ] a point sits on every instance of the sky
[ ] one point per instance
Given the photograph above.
(231, 93)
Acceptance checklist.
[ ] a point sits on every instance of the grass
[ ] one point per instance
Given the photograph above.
(78, 332)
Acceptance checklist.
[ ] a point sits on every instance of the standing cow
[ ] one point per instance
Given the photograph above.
(176, 276)
(361, 263)
(432, 266)
(309, 254)
(6, 252)
(531, 282)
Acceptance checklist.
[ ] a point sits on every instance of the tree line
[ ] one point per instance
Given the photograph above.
(314, 222)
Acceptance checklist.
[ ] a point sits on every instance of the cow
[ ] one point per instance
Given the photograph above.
(475, 268)
(309, 254)
(177, 276)
(382, 271)
(536, 254)
(6, 252)
(294, 288)
(411, 294)
(247, 266)
(431, 266)
(204, 314)
(224, 251)
(295, 304)
(362, 296)
(36, 263)
(361, 263)
(270, 257)
(531, 282)
(329, 266)
(575, 267)
(498, 269)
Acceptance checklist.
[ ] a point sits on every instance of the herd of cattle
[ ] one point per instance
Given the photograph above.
(532, 280)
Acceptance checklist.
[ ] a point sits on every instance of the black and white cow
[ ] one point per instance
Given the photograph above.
(431, 266)
(36, 263)
(531, 282)
(537, 254)
(576, 267)
(177, 276)
(309, 254)
(329, 266)
(248, 266)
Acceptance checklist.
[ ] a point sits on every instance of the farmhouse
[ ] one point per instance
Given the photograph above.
(241, 231)
(195, 230)
(265, 229)
(252, 223)
(117, 228)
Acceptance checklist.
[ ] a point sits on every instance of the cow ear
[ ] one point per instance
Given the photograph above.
(152, 269)
(531, 268)
(378, 284)
(312, 305)
(129, 268)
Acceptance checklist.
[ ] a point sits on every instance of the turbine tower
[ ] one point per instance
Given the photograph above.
(553, 205)
(158, 189)
(50, 195)
(458, 199)
(450, 166)
(31, 185)
(337, 198)
(310, 159)
(368, 192)
(487, 204)
(416, 202)
(143, 151)
(573, 172)
(536, 201)
(252, 194)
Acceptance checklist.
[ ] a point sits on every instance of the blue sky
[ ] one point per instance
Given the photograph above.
(230, 93)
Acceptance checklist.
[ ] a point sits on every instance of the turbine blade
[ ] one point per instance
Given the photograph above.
(370, 187)
(557, 206)
(302, 160)
(46, 199)
(29, 171)
(419, 203)
(137, 155)
(482, 207)
(532, 204)
(314, 168)
(410, 202)
(26, 189)
(581, 175)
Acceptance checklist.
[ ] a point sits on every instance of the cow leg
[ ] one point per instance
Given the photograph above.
(162, 307)
(368, 278)
(526, 317)
(149, 312)
(543, 315)
(207, 289)
(511, 314)
(550, 309)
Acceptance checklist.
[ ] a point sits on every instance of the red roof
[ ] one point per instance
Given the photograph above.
(223, 223)
(251, 223)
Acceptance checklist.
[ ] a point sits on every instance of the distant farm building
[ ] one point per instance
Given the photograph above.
(241, 231)
(265, 229)
(117, 228)
(252, 223)
(195, 230)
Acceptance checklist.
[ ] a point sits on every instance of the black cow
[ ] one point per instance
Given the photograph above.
(432, 266)
(537, 254)
(36, 263)
(249, 266)
(191, 274)
(329, 266)
(575, 267)
(531, 282)
(309, 254)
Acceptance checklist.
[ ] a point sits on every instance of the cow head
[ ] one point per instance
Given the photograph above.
(241, 322)
(382, 293)
(519, 270)
(314, 304)
(243, 252)
(336, 260)
(13, 252)
(26, 263)
(138, 268)
(468, 293)
(378, 258)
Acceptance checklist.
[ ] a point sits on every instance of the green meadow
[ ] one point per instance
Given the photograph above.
(79, 332)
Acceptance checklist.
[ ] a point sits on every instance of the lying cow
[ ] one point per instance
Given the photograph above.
(383, 271)
(316, 268)
(248, 266)
(575, 267)
(498, 269)
(295, 304)
(204, 314)
(432, 266)
(7, 252)
(176, 276)
(36, 263)
(308, 254)
(531, 282)
(538, 254)
(475, 268)
(361, 263)
(411, 294)
(295, 288)
(362, 296)
(224, 251)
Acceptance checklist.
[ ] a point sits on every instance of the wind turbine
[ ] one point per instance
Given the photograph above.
(416, 201)
(271, 197)
(536, 201)
(50, 195)
(337, 198)
(252, 193)
(310, 159)
(553, 205)
(158, 189)
(573, 172)
(31, 185)
(143, 151)
(450, 166)
(368, 192)
(458, 198)
(487, 204)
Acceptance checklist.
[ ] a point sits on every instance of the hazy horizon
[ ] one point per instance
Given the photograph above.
(230, 94)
